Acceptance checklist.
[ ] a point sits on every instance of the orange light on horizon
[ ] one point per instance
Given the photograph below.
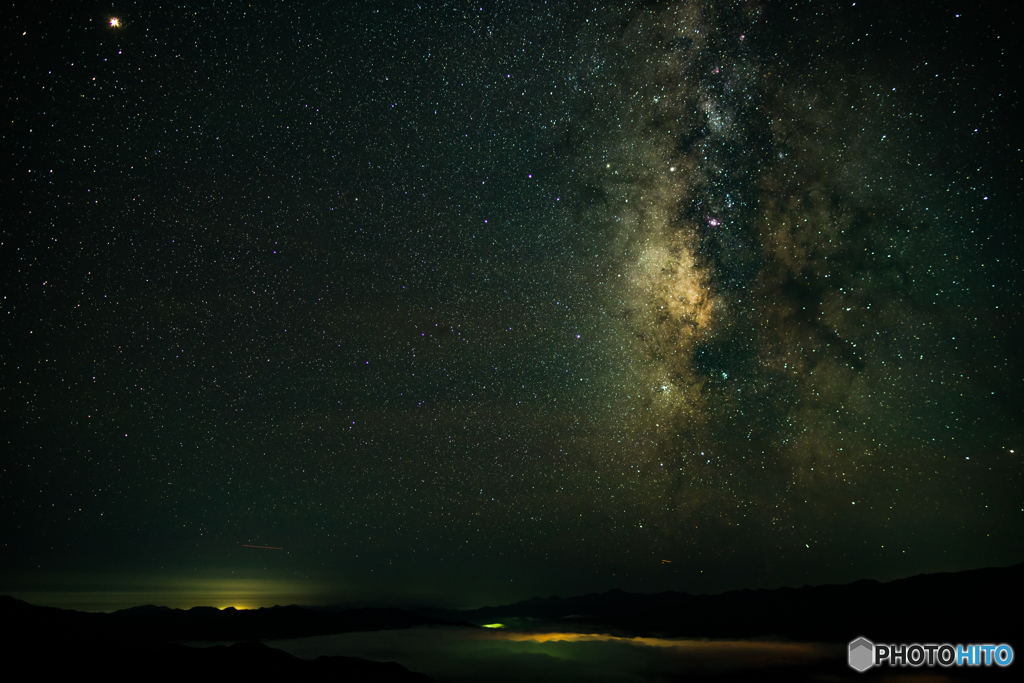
(751, 647)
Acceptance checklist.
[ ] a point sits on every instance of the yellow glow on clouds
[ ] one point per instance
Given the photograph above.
(747, 647)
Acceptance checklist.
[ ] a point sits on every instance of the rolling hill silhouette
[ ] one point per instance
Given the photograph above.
(976, 606)
(969, 606)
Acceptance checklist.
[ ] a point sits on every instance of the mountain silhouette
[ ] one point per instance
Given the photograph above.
(969, 606)
(210, 623)
(140, 641)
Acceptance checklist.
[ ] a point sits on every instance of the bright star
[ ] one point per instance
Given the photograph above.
(115, 22)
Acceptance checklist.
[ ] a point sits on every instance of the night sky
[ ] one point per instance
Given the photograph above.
(462, 303)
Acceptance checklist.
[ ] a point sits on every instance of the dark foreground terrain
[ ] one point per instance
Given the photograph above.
(140, 643)
(978, 606)
(967, 607)
(164, 661)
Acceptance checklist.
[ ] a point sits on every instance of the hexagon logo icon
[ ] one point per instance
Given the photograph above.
(861, 654)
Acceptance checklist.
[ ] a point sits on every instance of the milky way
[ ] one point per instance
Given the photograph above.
(469, 303)
(774, 259)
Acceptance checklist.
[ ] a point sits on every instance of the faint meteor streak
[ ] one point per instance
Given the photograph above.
(265, 547)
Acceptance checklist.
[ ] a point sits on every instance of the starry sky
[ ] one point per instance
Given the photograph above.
(461, 303)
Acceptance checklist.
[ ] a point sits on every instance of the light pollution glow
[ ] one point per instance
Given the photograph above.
(459, 654)
(240, 593)
(747, 647)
